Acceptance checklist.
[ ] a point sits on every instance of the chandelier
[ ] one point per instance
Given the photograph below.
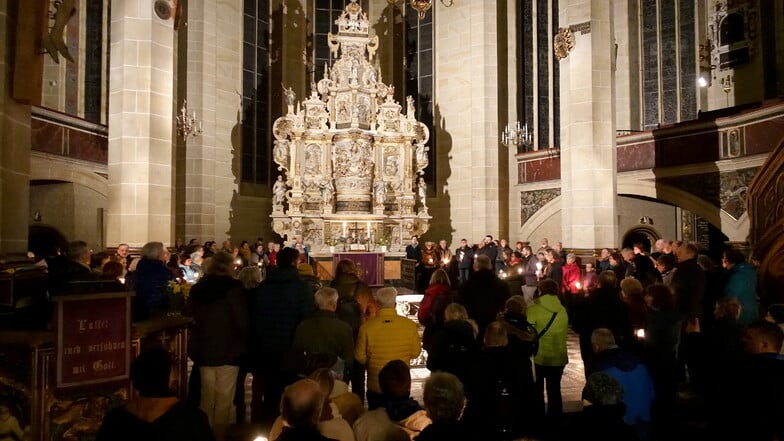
(187, 125)
(422, 6)
(517, 135)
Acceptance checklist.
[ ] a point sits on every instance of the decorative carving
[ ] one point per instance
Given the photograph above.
(352, 153)
(312, 159)
(563, 43)
(533, 201)
(734, 188)
(279, 190)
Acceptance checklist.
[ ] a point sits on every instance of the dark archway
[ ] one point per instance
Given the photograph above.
(646, 236)
(46, 241)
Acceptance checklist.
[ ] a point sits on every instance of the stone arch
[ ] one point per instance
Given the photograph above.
(537, 219)
(735, 229)
(46, 169)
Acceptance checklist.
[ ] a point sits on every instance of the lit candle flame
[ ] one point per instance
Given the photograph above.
(578, 285)
(519, 270)
(640, 333)
(121, 280)
(539, 265)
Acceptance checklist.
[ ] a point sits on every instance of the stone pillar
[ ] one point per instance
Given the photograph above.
(466, 119)
(141, 90)
(14, 129)
(211, 169)
(588, 157)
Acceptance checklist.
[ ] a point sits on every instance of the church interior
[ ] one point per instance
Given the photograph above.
(358, 124)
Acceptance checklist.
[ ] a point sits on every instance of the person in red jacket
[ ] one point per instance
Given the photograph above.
(434, 302)
(571, 286)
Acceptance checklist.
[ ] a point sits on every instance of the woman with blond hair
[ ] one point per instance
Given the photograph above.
(454, 346)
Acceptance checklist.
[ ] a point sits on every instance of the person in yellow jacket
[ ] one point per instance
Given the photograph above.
(548, 316)
(384, 338)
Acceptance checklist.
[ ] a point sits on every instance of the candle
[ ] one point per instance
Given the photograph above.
(577, 285)
(345, 226)
(238, 262)
(640, 333)
(519, 270)
(260, 438)
(121, 280)
(539, 265)
(367, 226)
(445, 260)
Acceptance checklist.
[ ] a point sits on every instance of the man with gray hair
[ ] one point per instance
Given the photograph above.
(324, 333)
(444, 398)
(300, 407)
(384, 338)
(152, 276)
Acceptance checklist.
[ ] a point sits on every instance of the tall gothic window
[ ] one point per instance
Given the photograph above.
(256, 163)
(539, 94)
(419, 79)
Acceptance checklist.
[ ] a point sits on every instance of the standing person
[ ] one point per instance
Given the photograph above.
(554, 269)
(484, 295)
(688, 282)
(741, 284)
(489, 249)
(530, 275)
(282, 300)
(355, 306)
(427, 265)
(618, 266)
(444, 254)
(155, 413)
(384, 338)
(152, 276)
(662, 337)
(413, 252)
(551, 322)
(123, 254)
(219, 336)
(571, 285)
(465, 260)
(324, 333)
(437, 297)
(603, 263)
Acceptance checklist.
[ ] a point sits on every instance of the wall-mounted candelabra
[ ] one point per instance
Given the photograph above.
(187, 125)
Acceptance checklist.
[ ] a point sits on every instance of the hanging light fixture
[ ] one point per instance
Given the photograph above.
(187, 125)
(421, 6)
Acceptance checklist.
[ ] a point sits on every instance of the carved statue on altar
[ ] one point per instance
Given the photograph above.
(349, 151)
(422, 193)
(290, 95)
(380, 192)
(279, 194)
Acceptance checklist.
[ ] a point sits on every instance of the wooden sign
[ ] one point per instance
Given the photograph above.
(93, 339)
(408, 273)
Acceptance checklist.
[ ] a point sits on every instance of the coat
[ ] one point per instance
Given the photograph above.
(281, 302)
(552, 345)
(431, 293)
(742, 285)
(688, 284)
(220, 328)
(384, 338)
(152, 276)
(324, 333)
(484, 296)
(571, 277)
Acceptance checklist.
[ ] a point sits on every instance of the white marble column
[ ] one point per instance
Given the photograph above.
(588, 157)
(141, 77)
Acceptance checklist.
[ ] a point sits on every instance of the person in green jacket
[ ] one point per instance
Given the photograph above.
(548, 316)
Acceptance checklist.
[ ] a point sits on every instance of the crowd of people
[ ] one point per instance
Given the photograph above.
(330, 358)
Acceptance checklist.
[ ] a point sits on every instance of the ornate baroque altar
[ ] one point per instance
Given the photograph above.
(350, 160)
